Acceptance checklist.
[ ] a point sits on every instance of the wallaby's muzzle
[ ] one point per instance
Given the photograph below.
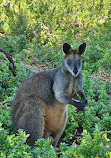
(75, 70)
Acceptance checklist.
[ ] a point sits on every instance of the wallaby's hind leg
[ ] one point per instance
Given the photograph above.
(32, 121)
(57, 137)
(54, 138)
(58, 134)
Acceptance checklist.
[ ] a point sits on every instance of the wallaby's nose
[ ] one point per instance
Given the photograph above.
(75, 70)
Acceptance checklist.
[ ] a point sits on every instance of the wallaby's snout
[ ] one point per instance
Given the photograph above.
(77, 63)
(75, 70)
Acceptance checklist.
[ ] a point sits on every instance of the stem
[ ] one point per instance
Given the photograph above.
(85, 121)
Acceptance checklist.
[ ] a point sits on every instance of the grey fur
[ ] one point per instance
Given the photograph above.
(40, 104)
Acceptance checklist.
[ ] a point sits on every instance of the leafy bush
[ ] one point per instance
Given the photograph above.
(98, 51)
(59, 14)
(5, 120)
(9, 43)
(44, 149)
(91, 146)
(13, 146)
(9, 83)
(13, 44)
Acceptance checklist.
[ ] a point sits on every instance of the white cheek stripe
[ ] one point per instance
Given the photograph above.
(68, 68)
(71, 71)
(78, 71)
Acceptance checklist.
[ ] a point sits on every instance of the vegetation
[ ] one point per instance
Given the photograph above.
(33, 33)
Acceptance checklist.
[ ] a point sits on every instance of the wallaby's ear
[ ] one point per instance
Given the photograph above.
(82, 48)
(67, 48)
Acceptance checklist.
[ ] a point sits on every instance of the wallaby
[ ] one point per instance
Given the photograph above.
(40, 105)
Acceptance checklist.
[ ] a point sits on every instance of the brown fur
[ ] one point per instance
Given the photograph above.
(54, 117)
(76, 51)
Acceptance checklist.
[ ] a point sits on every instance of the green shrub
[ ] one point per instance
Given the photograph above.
(13, 44)
(44, 149)
(9, 43)
(9, 83)
(5, 119)
(13, 146)
(96, 145)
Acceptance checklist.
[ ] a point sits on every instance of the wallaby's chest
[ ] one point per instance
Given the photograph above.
(55, 117)
(69, 87)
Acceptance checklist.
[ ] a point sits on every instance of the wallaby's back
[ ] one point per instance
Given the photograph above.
(35, 105)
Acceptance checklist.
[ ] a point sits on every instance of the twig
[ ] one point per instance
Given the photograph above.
(11, 63)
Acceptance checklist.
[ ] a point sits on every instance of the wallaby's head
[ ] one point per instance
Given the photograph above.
(72, 61)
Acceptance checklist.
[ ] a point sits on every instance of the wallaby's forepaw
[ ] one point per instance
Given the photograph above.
(82, 105)
(84, 101)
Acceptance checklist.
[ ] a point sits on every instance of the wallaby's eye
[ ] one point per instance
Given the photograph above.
(79, 62)
(69, 61)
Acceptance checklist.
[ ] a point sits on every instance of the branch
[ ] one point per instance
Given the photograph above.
(11, 63)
